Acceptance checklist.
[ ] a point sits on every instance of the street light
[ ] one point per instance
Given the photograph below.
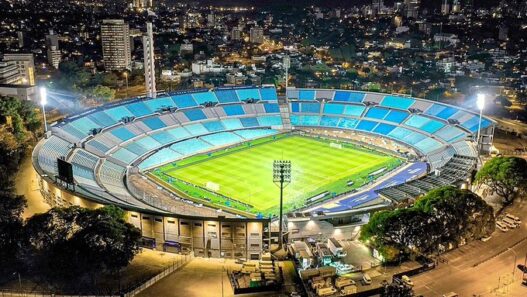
(43, 102)
(480, 102)
(281, 177)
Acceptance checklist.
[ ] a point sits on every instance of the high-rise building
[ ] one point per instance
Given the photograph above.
(21, 39)
(256, 35)
(150, 70)
(54, 56)
(211, 20)
(53, 51)
(503, 33)
(236, 33)
(9, 74)
(412, 8)
(445, 7)
(115, 37)
(25, 64)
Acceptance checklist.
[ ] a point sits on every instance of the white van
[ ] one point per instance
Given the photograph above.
(366, 279)
(407, 280)
(514, 218)
(501, 226)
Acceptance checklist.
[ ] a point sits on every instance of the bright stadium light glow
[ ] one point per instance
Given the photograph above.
(480, 101)
(43, 102)
(43, 96)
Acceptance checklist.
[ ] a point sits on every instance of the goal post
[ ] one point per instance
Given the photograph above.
(212, 186)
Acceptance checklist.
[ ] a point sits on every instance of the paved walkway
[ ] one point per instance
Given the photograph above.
(26, 184)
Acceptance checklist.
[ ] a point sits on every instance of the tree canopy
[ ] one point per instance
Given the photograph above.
(78, 243)
(504, 175)
(442, 218)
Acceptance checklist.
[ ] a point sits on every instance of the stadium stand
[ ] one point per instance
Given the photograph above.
(169, 128)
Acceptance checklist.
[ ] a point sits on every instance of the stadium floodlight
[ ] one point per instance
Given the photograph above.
(480, 102)
(43, 102)
(287, 65)
(282, 178)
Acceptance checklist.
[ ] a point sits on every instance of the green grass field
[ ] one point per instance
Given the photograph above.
(244, 173)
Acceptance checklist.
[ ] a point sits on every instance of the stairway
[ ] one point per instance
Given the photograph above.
(285, 113)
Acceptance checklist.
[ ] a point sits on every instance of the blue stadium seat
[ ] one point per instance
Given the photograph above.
(213, 126)
(310, 107)
(255, 133)
(190, 147)
(347, 123)
(471, 124)
(222, 138)
(154, 123)
(205, 97)
(268, 94)
(447, 112)
(396, 116)
(196, 129)
(354, 110)
(184, 101)
(119, 112)
(99, 146)
(397, 102)
(376, 113)
(249, 122)
(139, 109)
(305, 120)
(432, 126)
(74, 132)
(434, 109)
(383, 129)
(400, 133)
(163, 137)
(159, 103)
(428, 145)
(232, 124)
(328, 121)
(148, 142)
(366, 125)
(271, 108)
(195, 114)
(347, 96)
(124, 155)
(136, 148)
(233, 110)
(270, 121)
(306, 95)
(414, 138)
(227, 96)
(103, 119)
(179, 133)
(245, 94)
(417, 121)
(295, 107)
(84, 125)
(123, 133)
(450, 134)
(334, 108)
(159, 158)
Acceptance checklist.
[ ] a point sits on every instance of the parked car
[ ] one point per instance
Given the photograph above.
(502, 226)
(510, 223)
(514, 218)
(366, 279)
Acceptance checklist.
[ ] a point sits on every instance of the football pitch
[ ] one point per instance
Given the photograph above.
(241, 177)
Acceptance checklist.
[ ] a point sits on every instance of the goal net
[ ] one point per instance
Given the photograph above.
(335, 145)
(212, 186)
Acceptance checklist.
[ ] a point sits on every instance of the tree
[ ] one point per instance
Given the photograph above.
(80, 244)
(442, 218)
(397, 290)
(102, 93)
(504, 175)
(11, 230)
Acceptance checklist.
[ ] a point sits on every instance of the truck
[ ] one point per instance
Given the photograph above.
(326, 291)
(348, 290)
(336, 248)
(342, 282)
(324, 254)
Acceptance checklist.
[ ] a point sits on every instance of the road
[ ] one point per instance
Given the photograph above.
(481, 268)
(26, 184)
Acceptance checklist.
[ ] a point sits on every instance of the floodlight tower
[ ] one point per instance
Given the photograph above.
(481, 105)
(287, 65)
(43, 102)
(282, 178)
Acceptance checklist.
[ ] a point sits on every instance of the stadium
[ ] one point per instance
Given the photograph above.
(194, 169)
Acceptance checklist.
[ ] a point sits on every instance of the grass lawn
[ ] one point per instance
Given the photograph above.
(244, 173)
